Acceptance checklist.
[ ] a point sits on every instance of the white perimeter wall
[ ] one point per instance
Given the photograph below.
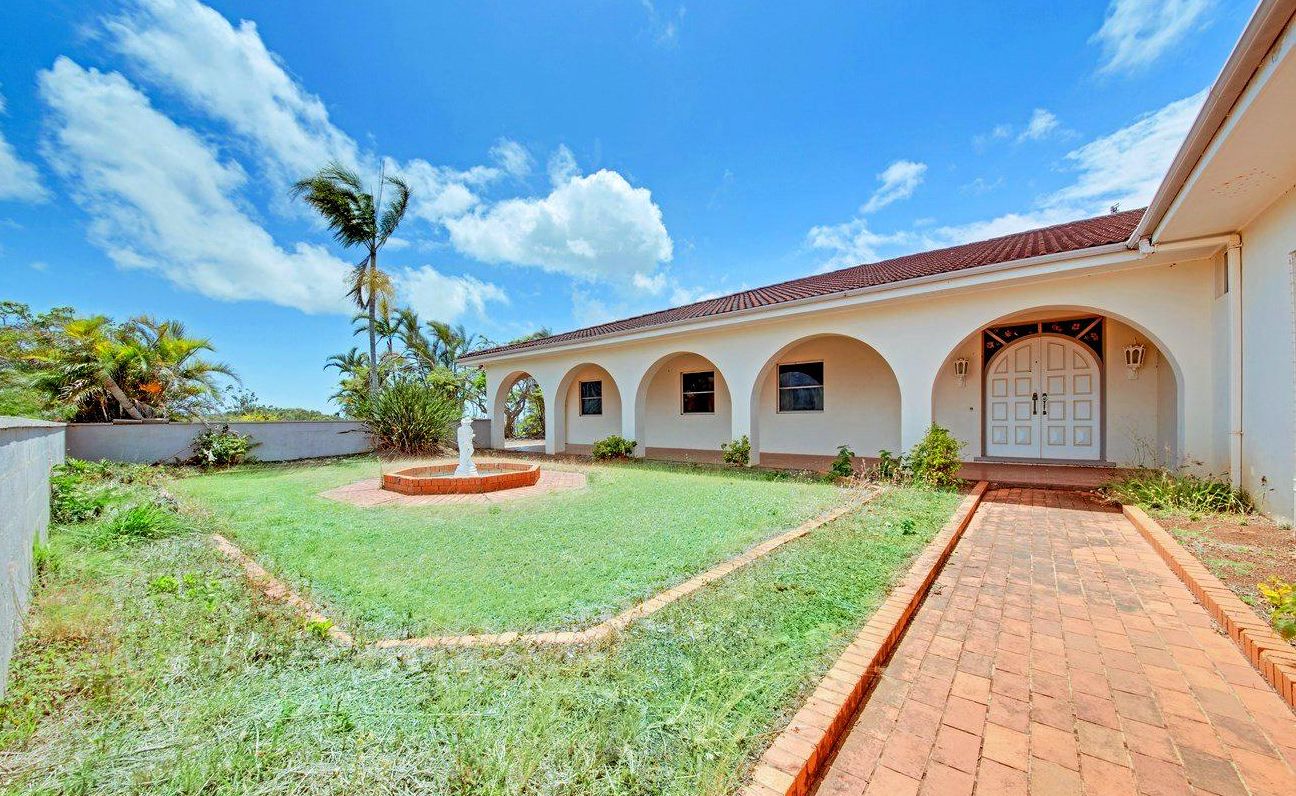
(1269, 357)
(280, 441)
(28, 450)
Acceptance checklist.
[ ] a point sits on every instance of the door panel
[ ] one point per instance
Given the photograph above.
(1012, 422)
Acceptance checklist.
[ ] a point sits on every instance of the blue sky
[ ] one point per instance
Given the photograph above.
(571, 162)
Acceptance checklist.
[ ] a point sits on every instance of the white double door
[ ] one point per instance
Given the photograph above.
(1043, 401)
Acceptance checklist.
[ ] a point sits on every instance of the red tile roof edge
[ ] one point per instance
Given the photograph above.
(1056, 239)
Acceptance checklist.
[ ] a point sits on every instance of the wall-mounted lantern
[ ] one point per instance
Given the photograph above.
(1134, 353)
(960, 370)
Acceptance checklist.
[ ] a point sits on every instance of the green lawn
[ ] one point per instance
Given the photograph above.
(553, 562)
(121, 686)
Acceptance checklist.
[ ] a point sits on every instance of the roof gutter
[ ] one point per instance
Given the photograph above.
(1119, 247)
(1264, 28)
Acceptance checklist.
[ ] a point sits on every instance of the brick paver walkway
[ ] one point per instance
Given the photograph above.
(1058, 654)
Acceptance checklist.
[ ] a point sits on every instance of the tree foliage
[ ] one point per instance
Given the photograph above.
(59, 365)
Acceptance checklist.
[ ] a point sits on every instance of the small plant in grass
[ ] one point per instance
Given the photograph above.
(1167, 490)
(140, 522)
(843, 466)
(613, 447)
(77, 492)
(738, 452)
(1282, 599)
(908, 526)
(220, 446)
(319, 628)
(164, 584)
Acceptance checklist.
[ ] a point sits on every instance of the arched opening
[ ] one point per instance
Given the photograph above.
(820, 392)
(588, 406)
(518, 409)
(1051, 383)
(683, 409)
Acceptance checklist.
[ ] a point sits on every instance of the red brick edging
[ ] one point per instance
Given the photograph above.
(794, 761)
(1269, 653)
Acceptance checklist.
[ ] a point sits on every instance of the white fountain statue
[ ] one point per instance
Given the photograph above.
(465, 436)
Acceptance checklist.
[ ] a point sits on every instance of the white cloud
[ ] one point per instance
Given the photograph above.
(562, 166)
(1124, 167)
(227, 72)
(19, 180)
(1137, 32)
(159, 198)
(1042, 123)
(596, 227)
(665, 28)
(512, 157)
(436, 295)
(899, 181)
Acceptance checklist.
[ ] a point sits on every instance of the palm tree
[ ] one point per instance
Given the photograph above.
(167, 366)
(83, 366)
(357, 220)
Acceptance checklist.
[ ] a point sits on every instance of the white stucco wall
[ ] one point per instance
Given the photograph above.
(1269, 357)
(667, 427)
(1169, 302)
(277, 440)
(861, 402)
(588, 429)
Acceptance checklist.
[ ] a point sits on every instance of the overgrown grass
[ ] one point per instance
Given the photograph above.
(127, 685)
(557, 561)
(1166, 490)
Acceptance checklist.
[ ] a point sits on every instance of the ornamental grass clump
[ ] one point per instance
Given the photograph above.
(411, 417)
(1178, 491)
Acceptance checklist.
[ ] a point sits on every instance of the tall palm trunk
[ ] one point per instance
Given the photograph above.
(119, 395)
(373, 322)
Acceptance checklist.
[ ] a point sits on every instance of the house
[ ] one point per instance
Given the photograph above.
(1157, 335)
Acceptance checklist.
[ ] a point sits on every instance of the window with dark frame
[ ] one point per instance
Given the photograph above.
(591, 398)
(697, 393)
(801, 387)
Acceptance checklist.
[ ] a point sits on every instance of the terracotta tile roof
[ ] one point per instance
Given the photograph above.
(1071, 236)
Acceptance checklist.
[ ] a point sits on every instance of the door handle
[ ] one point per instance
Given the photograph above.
(1034, 403)
(1046, 404)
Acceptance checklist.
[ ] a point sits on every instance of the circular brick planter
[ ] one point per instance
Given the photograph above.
(436, 479)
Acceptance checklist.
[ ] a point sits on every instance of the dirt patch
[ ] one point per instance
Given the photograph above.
(1241, 551)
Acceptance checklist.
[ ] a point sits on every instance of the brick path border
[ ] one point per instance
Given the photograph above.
(1267, 651)
(797, 756)
(275, 589)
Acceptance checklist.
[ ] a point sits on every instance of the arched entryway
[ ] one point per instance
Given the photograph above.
(683, 409)
(1051, 384)
(822, 391)
(587, 406)
(518, 410)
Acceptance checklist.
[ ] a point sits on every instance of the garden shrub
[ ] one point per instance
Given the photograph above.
(844, 465)
(221, 446)
(76, 498)
(614, 447)
(737, 452)
(411, 417)
(1282, 599)
(934, 461)
(1167, 490)
(890, 467)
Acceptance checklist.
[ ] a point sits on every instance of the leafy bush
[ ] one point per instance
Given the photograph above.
(844, 465)
(934, 461)
(140, 522)
(219, 447)
(890, 467)
(1168, 490)
(1282, 598)
(410, 417)
(613, 447)
(737, 452)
